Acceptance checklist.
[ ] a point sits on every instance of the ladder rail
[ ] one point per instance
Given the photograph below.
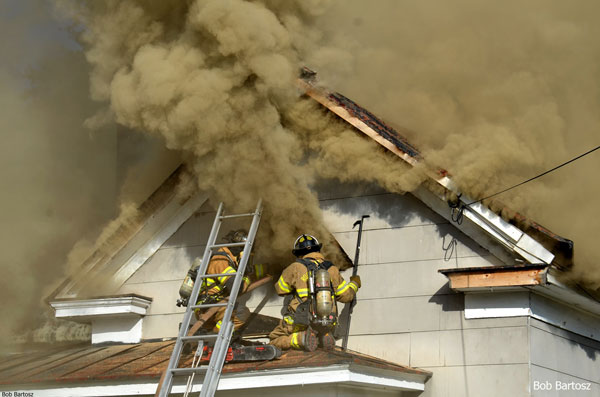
(177, 349)
(216, 362)
(223, 338)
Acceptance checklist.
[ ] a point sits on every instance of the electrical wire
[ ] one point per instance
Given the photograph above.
(450, 249)
(537, 176)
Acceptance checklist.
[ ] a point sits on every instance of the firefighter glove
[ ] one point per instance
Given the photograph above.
(356, 280)
(228, 286)
(210, 299)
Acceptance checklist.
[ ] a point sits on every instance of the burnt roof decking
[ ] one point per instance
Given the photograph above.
(148, 360)
(376, 124)
(392, 140)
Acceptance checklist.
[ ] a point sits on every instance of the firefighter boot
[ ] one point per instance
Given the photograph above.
(305, 340)
(327, 341)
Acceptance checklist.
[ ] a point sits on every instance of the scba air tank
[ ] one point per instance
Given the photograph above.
(188, 282)
(323, 293)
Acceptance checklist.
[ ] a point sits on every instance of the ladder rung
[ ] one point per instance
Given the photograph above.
(228, 245)
(189, 371)
(209, 374)
(216, 275)
(199, 337)
(238, 215)
(208, 305)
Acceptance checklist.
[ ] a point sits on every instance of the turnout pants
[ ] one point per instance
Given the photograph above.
(216, 320)
(285, 336)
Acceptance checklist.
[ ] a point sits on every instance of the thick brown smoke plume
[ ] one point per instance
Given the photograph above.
(60, 181)
(212, 78)
(52, 171)
(495, 93)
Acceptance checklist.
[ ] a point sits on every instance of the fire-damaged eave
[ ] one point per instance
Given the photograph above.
(133, 241)
(137, 239)
(528, 241)
(474, 279)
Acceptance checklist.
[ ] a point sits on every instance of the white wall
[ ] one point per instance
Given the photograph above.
(161, 276)
(562, 362)
(405, 313)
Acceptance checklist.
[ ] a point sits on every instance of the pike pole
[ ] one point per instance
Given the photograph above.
(354, 272)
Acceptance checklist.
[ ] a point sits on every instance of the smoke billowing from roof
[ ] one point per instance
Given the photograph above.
(496, 93)
(52, 171)
(214, 78)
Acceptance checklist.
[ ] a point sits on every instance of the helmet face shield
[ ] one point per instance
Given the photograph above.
(306, 244)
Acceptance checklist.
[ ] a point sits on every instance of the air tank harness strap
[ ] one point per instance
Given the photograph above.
(314, 264)
(209, 283)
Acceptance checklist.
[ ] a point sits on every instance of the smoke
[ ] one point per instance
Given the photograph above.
(212, 78)
(52, 171)
(338, 152)
(495, 93)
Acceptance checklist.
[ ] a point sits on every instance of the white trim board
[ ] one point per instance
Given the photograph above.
(113, 319)
(485, 227)
(347, 374)
(85, 309)
(152, 235)
(526, 303)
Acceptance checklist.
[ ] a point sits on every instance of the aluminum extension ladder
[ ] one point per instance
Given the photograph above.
(212, 371)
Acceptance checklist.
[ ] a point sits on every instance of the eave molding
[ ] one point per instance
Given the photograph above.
(345, 374)
(113, 318)
(155, 231)
(84, 310)
(495, 277)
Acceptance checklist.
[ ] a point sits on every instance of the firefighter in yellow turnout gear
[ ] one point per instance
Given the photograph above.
(216, 289)
(311, 314)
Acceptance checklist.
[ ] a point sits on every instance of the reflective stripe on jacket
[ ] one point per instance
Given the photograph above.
(219, 264)
(294, 279)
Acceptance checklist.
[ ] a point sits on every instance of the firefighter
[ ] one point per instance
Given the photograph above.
(213, 290)
(313, 286)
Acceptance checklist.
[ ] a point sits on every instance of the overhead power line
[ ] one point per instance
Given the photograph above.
(537, 176)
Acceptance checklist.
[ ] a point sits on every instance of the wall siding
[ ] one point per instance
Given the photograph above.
(161, 276)
(405, 313)
(561, 356)
(478, 380)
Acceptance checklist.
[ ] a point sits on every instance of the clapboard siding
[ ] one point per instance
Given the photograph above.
(405, 312)
(499, 380)
(562, 352)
